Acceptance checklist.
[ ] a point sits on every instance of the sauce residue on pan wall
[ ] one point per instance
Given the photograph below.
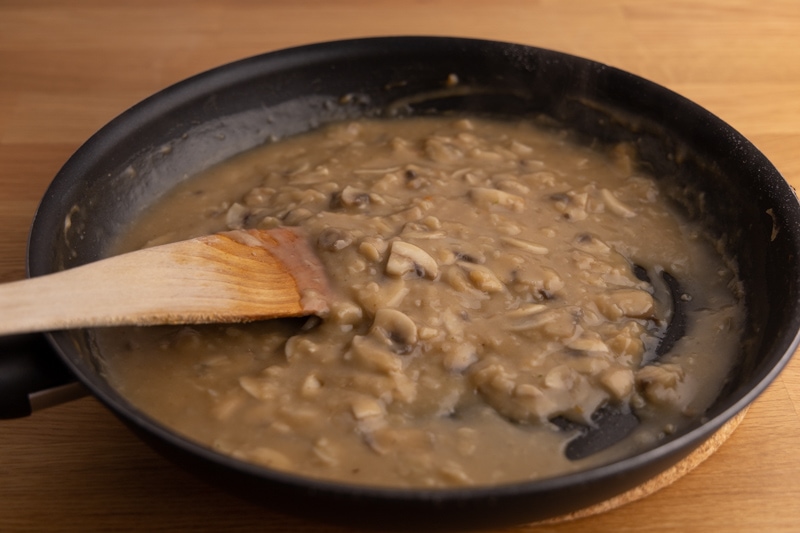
(497, 286)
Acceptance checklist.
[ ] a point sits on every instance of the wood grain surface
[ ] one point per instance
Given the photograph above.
(67, 68)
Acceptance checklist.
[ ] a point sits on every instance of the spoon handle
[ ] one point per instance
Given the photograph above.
(228, 277)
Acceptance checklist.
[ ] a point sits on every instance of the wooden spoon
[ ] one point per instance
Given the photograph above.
(235, 276)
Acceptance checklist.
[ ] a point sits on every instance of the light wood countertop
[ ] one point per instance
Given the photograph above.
(67, 68)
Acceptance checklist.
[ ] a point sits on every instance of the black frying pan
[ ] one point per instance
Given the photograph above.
(707, 167)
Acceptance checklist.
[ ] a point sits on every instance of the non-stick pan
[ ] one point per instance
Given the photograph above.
(709, 169)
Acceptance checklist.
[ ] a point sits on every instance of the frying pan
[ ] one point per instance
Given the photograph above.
(709, 170)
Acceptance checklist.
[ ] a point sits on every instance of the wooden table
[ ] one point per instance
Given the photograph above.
(66, 68)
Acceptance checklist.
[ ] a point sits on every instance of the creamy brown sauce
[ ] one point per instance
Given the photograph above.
(486, 286)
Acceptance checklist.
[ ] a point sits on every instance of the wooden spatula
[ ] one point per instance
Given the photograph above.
(235, 276)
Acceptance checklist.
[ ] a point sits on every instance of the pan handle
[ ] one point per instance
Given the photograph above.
(32, 376)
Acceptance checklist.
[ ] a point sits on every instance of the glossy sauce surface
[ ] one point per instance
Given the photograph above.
(496, 283)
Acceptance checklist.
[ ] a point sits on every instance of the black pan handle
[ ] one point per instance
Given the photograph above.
(32, 376)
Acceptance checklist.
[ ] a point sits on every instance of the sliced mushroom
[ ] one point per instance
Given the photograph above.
(590, 243)
(618, 382)
(366, 407)
(372, 354)
(528, 246)
(334, 239)
(633, 303)
(345, 312)
(513, 186)
(374, 296)
(486, 197)
(442, 151)
(311, 386)
(397, 327)
(405, 258)
(460, 357)
(615, 205)
(236, 216)
(326, 452)
(266, 456)
(665, 384)
(482, 277)
(349, 197)
(372, 248)
(587, 344)
(259, 387)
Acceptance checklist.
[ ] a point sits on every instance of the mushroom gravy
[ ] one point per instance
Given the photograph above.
(496, 286)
